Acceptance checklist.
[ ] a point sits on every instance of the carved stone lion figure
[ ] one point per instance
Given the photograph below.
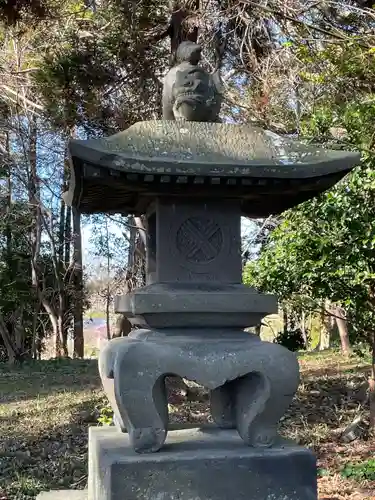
(191, 93)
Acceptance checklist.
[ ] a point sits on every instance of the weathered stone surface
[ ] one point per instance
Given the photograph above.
(162, 306)
(252, 382)
(209, 149)
(198, 465)
(197, 241)
(268, 173)
(189, 91)
(63, 495)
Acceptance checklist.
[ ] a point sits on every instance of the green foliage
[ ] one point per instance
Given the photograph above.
(324, 249)
(323, 472)
(360, 471)
(15, 276)
(100, 70)
(105, 416)
(13, 11)
(291, 339)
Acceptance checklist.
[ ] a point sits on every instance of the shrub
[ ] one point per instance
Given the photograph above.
(105, 415)
(291, 339)
(360, 471)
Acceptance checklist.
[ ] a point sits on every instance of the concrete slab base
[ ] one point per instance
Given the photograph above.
(197, 464)
(63, 495)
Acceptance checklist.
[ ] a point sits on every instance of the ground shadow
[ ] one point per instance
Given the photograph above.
(46, 377)
(53, 459)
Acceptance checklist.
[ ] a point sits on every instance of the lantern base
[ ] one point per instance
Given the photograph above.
(198, 464)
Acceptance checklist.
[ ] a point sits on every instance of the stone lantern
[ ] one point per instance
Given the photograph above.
(194, 180)
(193, 177)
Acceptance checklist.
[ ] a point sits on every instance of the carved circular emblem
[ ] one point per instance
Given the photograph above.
(199, 239)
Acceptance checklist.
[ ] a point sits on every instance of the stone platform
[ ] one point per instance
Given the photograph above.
(63, 495)
(198, 464)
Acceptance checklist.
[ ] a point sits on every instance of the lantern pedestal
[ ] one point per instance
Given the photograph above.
(198, 464)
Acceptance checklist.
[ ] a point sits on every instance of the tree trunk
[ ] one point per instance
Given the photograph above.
(180, 31)
(34, 201)
(8, 228)
(11, 271)
(325, 330)
(9, 346)
(62, 266)
(62, 226)
(372, 385)
(35, 346)
(343, 330)
(136, 266)
(62, 324)
(57, 336)
(55, 309)
(132, 250)
(36, 225)
(141, 249)
(78, 286)
(56, 328)
(68, 235)
(108, 289)
(64, 244)
(107, 315)
(303, 329)
(19, 331)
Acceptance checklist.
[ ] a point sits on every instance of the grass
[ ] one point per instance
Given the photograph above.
(47, 407)
(45, 410)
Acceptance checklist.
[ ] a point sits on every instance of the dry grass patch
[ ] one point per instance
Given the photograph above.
(45, 410)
